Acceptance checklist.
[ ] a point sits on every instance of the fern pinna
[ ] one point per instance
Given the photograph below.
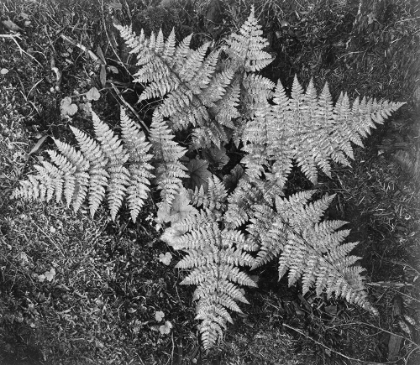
(220, 100)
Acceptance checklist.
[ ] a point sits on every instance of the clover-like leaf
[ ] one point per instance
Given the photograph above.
(165, 329)
(67, 108)
(49, 275)
(165, 258)
(159, 315)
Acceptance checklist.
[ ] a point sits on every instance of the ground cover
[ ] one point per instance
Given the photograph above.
(79, 291)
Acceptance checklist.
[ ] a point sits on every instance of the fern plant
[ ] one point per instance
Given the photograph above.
(246, 220)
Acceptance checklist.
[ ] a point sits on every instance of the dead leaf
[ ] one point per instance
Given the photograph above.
(38, 145)
(11, 25)
(410, 320)
(398, 306)
(331, 310)
(113, 69)
(394, 345)
(24, 16)
(100, 54)
(115, 5)
(404, 327)
(102, 75)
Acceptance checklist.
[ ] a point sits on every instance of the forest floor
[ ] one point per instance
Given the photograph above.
(75, 290)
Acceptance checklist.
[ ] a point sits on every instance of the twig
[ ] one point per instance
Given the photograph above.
(335, 351)
(144, 126)
(173, 347)
(9, 35)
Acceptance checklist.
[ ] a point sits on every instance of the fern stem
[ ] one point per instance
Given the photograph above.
(144, 126)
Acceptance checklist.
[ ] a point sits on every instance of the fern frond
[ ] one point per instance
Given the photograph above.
(268, 232)
(179, 74)
(167, 153)
(53, 181)
(256, 133)
(139, 167)
(213, 198)
(226, 110)
(246, 48)
(257, 91)
(214, 256)
(102, 167)
(208, 134)
(98, 176)
(307, 248)
(279, 150)
(117, 156)
(240, 203)
(217, 87)
(195, 61)
(307, 129)
(220, 99)
(68, 169)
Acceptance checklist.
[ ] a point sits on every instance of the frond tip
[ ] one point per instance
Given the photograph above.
(246, 48)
